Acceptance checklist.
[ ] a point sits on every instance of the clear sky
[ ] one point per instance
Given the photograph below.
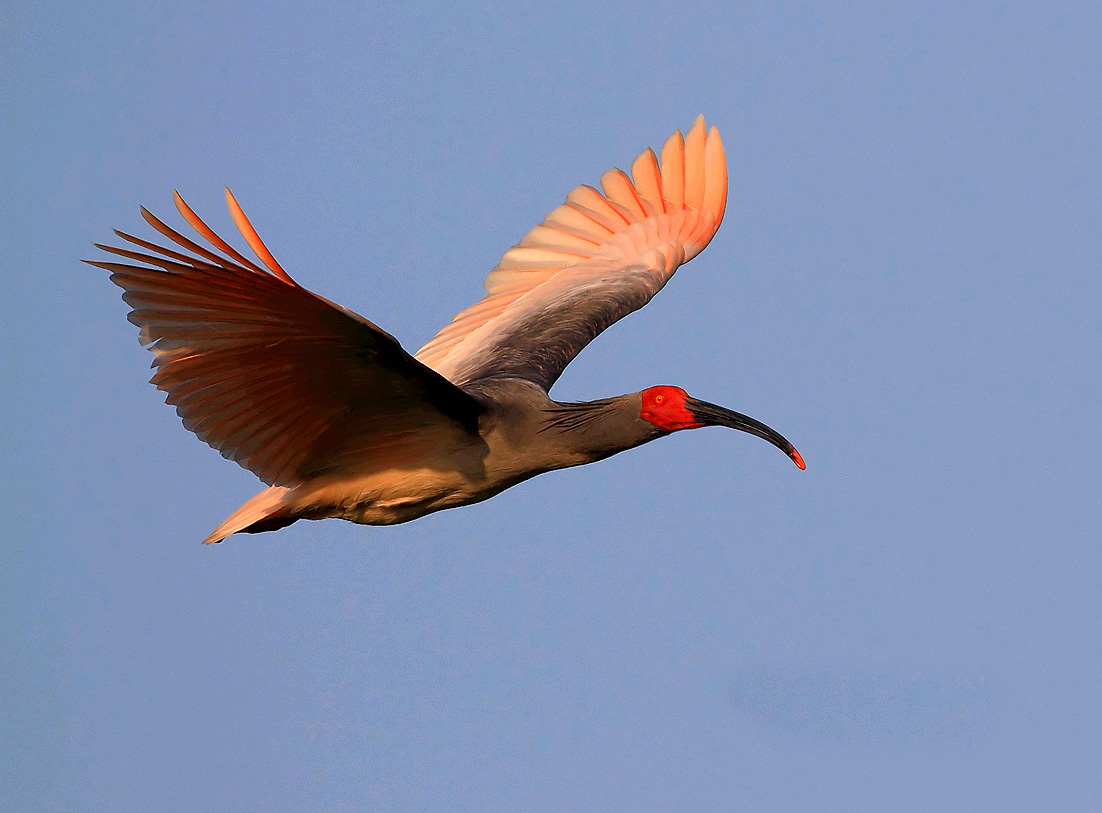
(906, 286)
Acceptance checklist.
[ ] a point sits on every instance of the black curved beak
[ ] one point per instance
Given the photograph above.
(712, 415)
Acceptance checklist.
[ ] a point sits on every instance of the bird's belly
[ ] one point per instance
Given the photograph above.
(388, 498)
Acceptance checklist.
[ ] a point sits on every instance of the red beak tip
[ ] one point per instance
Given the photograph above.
(799, 461)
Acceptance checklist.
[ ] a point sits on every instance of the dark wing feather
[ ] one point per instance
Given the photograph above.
(276, 378)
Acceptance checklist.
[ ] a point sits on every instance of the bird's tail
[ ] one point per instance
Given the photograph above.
(264, 512)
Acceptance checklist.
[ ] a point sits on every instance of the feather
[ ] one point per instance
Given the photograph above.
(673, 172)
(694, 165)
(618, 189)
(647, 177)
(253, 239)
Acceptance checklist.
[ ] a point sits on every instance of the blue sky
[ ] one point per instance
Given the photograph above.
(906, 286)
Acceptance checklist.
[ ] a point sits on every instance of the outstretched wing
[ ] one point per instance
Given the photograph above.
(276, 378)
(592, 261)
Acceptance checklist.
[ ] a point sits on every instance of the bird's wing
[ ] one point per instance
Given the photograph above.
(592, 261)
(276, 378)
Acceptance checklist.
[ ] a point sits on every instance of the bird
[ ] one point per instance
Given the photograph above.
(339, 420)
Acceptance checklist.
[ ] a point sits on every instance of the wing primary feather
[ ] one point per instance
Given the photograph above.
(715, 171)
(166, 251)
(161, 262)
(253, 239)
(597, 204)
(560, 235)
(114, 268)
(197, 223)
(179, 239)
(647, 178)
(619, 190)
(597, 218)
(673, 172)
(694, 165)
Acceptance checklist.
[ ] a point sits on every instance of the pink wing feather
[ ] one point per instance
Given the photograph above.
(592, 260)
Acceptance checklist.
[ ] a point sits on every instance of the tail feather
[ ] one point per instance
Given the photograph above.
(264, 512)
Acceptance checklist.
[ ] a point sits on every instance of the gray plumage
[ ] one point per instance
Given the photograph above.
(341, 421)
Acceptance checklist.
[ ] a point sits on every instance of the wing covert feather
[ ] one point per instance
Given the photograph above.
(593, 260)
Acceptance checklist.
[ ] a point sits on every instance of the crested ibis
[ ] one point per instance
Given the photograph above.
(340, 421)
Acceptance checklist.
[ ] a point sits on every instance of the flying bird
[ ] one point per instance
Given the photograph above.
(339, 420)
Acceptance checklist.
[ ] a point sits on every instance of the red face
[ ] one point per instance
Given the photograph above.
(665, 408)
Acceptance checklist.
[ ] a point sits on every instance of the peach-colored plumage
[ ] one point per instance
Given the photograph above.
(340, 421)
(680, 204)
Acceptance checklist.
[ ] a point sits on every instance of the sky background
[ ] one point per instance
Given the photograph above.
(906, 286)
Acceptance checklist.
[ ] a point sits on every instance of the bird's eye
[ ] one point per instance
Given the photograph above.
(659, 399)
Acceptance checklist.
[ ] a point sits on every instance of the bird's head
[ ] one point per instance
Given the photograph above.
(671, 409)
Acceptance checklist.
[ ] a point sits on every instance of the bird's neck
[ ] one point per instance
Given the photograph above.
(593, 430)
